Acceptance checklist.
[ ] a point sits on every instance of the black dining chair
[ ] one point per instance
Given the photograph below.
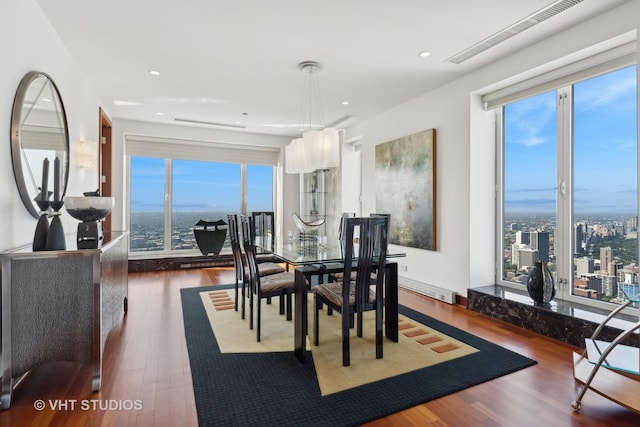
(264, 226)
(264, 287)
(365, 252)
(240, 263)
(343, 224)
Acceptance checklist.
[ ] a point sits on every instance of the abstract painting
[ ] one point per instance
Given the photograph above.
(405, 175)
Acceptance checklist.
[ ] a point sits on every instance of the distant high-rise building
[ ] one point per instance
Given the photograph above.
(540, 242)
(515, 252)
(514, 226)
(527, 257)
(606, 257)
(584, 266)
(579, 233)
(609, 286)
(523, 237)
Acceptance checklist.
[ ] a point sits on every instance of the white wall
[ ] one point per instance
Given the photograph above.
(30, 43)
(465, 153)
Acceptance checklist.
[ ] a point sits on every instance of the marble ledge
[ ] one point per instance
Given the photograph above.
(561, 320)
(178, 263)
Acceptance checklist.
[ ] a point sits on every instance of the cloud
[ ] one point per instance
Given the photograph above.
(606, 90)
(531, 122)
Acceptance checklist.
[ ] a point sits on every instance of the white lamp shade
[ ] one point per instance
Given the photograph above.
(296, 157)
(318, 149)
(330, 146)
(322, 148)
(312, 146)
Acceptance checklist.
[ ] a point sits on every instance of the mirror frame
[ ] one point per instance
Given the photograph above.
(16, 146)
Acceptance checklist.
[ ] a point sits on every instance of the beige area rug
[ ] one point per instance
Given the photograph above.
(418, 346)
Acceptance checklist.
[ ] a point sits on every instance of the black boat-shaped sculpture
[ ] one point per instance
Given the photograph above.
(209, 236)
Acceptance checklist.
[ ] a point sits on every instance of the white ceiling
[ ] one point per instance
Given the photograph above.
(236, 61)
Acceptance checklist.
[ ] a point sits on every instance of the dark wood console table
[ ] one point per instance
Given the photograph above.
(60, 306)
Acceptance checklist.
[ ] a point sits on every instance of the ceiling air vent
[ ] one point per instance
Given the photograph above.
(203, 122)
(339, 121)
(520, 26)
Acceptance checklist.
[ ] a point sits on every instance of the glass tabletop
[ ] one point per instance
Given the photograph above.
(296, 254)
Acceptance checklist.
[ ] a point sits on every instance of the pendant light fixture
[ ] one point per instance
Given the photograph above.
(319, 147)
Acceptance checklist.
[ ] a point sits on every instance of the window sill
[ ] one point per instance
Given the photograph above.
(565, 321)
(178, 262)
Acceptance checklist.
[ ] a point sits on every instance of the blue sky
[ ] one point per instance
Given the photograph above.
(199, 186)
(605, 148)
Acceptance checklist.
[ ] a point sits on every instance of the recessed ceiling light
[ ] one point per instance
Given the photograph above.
(159, 113)
(345, 102)
(154, 72)
(424, 54)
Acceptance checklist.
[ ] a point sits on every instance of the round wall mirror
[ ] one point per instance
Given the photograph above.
(38, 132)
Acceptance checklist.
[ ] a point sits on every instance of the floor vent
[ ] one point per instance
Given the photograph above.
(431, 291)
(524, 24)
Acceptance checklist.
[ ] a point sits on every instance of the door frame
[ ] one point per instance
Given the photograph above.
(105, 160)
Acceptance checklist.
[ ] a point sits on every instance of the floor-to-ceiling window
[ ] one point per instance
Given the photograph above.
(146, 204)
(172, 191)
(568, 186)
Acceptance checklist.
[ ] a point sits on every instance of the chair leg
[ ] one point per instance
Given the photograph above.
(259, 305)
(289, 307)
(346, 356)
(251, 309)
(316, 324)
(359, 330)
(244, 298)
(236, 300)
(281, 304)
(379, 333)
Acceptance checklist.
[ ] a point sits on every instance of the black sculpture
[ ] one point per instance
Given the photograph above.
(209, 237)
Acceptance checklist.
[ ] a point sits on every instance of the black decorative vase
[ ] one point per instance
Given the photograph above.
(55, 238)
(540, 284)
(42, 228)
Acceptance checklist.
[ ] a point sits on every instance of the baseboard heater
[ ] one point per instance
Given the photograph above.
(431, 291)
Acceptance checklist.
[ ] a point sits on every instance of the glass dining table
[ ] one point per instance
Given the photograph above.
(311, 264)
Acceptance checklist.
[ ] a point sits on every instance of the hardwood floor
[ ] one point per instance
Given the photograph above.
(146, 364)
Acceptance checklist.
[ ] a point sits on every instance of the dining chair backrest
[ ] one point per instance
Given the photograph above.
(365, 254)
(341, 228)
(248, 242)
(264, 225)
(384, 215)
(236, 250)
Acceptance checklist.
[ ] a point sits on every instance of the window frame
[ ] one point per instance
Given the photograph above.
(564, 241)
(170, 149)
